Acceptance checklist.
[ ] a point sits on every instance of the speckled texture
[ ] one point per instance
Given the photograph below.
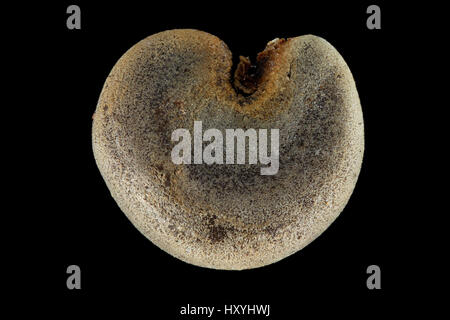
(229, 216)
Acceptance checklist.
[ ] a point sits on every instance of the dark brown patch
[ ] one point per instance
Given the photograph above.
(247, 76)
(161, 124)
(272, 231)
(217, 233)
(167, 182)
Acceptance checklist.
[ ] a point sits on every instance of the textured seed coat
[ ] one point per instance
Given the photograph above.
(229, 216)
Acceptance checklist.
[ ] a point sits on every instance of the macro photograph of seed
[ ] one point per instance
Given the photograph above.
(211, 159)
(222, 215)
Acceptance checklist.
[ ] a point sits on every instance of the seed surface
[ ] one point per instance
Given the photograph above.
(229, 216)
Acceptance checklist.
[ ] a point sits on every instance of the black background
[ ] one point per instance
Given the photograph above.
(121, 269)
